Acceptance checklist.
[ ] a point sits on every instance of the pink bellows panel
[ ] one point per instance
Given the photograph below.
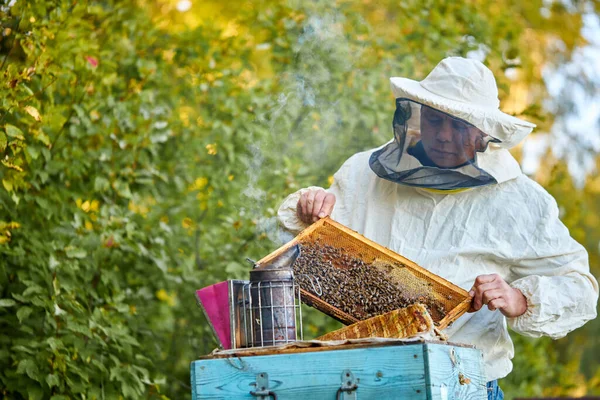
(214, 300)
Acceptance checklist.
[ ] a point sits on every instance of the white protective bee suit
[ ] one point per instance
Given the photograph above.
(483, 217)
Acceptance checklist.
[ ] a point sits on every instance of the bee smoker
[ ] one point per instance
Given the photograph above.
(270, 305)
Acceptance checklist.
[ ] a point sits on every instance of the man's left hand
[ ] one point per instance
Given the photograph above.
(498, 295)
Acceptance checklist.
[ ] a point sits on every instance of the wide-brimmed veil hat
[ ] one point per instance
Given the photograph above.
(466, 89)
(449, 133)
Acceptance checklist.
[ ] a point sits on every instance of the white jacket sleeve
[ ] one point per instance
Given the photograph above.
(555, 278)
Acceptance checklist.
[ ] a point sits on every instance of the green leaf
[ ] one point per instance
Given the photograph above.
(74, 252)
(27, 89)
(33, 152)
(3, 142)
(35, 392)
(23, 313)
(7, 185)
(55, 343)
(122, 189)
(14, 132)
(29, 367)
(52, 380)
(79, 328)
(42, 202)
(24, 349)
(7, 303)
(42, 137)
(33, 289)
(101, 184)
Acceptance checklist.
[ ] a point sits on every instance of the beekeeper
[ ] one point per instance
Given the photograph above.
(447, 194)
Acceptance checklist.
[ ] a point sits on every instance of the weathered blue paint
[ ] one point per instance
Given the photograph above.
(454, 372)
(422, 371)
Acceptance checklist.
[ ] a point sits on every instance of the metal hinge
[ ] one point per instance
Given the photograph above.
(347, 390)
(262, 387)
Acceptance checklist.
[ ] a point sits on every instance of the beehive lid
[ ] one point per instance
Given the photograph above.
(349, 253)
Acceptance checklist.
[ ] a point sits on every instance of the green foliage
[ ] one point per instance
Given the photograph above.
(99, 255)
(144, 152)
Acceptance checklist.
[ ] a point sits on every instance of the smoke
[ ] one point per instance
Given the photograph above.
(303, 119)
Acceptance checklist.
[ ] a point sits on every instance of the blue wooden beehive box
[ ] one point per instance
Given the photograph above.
(407, 371)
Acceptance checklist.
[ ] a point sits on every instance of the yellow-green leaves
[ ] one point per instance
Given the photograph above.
(3, 142)
(33, 112)
(13, 132)
(74, 252)
(6, 229)
(7, 185)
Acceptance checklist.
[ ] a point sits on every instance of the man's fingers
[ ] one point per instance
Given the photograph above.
(313, 203)
(496, 304)
(471, 293)
(478, 292)
(318, 204)
(301, 207)
(310, 201)
(472, 308)
(482, 284)
(481, 279)
(327, 207)
(476, 303)
(303, 202)
(491, 290)
(490, 295)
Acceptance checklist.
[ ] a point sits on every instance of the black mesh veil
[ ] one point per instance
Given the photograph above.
(432, 149)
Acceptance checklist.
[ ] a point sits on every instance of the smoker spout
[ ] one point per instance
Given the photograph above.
(284, 261)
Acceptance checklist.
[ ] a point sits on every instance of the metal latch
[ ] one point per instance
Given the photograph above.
(262, 387)
(347, 390)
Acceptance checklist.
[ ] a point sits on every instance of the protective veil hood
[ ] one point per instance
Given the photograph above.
(448, 131)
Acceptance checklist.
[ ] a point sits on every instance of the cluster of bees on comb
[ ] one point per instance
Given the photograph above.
(359, 288)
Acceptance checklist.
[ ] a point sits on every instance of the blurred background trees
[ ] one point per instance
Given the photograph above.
(145, 147)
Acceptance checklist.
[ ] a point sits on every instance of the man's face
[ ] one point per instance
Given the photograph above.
(448, 142)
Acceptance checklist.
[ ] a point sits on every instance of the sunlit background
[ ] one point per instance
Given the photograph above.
(146, 146)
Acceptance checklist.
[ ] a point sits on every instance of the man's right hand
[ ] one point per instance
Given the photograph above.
(315, 204)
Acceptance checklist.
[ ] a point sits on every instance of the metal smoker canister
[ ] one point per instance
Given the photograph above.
(272, 306)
